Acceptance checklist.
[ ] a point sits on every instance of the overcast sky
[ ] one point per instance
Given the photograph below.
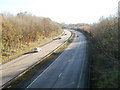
(67, 11)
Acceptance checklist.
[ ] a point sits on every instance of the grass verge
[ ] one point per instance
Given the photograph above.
(27, 48)
(30, 75)
(104, 69)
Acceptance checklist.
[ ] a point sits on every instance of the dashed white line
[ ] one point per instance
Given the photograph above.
(60, 74)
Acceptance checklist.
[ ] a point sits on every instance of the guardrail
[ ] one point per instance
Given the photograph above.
(28, 51)
(30, 67)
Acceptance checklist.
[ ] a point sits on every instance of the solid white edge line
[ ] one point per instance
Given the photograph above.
(40, 74)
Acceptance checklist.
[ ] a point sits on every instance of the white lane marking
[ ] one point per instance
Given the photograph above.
(78, 86)
(69, 84)
(60, 74)
(43, 72)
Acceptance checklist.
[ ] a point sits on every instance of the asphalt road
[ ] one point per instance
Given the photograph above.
(68, 70)
(15, 67)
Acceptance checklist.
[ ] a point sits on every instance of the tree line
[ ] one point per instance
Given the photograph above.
(104, 53)
(24, 29)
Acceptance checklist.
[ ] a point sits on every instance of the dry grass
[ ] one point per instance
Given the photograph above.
(23, 31)
(104, 53)
(41, 66)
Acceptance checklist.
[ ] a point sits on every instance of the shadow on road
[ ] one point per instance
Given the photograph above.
(30, 52)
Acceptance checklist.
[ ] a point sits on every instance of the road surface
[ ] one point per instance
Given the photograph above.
(15, 67)
(68, 70)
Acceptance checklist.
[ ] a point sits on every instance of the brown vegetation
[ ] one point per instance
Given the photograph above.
(23, 29)
(104, 53)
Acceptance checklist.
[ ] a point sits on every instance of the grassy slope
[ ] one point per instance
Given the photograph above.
(26, 49)
(39, 67)
(23, 32)
(104, 70)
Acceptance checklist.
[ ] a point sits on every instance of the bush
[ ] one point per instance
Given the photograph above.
(21, 30)
(104, 53)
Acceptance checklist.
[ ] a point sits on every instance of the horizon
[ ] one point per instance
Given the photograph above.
(67, 11)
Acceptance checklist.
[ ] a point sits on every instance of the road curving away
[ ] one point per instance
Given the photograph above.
(69, 70)
(15, 67)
